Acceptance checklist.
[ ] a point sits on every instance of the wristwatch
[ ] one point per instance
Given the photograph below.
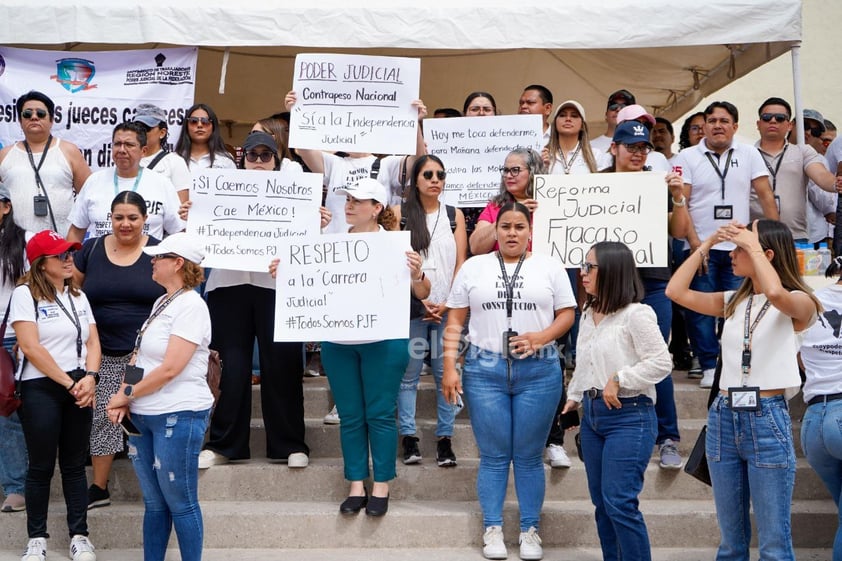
(93, 373)
(616, 378)
(128, 391)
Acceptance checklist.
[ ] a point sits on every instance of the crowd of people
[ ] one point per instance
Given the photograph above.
(113, 322)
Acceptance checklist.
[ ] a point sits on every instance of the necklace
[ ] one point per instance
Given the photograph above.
(438, 215)
(568, 165)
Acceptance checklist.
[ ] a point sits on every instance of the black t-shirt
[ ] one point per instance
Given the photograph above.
(121, 297)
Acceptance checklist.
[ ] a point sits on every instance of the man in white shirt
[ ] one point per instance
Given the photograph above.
(663, 138)
(616, 101)
(537, 100)
(719, 176)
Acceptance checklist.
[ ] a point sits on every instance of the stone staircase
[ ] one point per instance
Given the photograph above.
(258, 510)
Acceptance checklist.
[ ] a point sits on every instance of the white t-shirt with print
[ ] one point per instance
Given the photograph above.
(92, 210)
(821, 348)
(56, 331)
(542, 286)
(186, 317)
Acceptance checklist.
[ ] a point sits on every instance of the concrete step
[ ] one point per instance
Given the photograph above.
(416, 524)
(257, 480)
(404, 554)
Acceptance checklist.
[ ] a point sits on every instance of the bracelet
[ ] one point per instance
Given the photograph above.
(423, 276)
(682, 202)
(703, 254)
(73, 385)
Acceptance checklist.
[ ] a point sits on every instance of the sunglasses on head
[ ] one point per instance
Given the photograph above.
(28, 113)
(196, 120)
(778, 117)
(264, 157)
(440, 173)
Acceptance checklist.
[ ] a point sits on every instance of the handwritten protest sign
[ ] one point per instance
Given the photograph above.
(355, 103)
(343, 287)
(242, 214)
(576, 211)
(473, 150)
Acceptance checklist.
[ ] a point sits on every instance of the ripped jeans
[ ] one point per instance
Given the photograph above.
(166, 460)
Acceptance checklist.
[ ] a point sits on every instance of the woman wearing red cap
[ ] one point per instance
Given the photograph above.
(57, 335)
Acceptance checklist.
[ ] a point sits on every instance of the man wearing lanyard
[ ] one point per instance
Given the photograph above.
(719, 178)
(789, 166)
(43, 173)
(92, 211)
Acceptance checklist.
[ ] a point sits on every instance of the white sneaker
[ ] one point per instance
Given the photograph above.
(530, 544)
(493, 546)
(707, 378)
(208, 458)
(557, 457)
(298, 460)
(81, 549)
(36, 550)
(332, 418)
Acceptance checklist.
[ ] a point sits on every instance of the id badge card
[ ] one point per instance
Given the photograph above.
(778, 204)
(744, 398)
(723, 212)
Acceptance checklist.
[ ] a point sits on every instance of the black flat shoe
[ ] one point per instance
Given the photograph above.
(377, 506)
(352, 505)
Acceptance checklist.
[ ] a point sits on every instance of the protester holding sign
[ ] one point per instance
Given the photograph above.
(92, 208)
(621, 357)
(479, 104)
(242, 306)
(200, 143)
(438, 234)
(750, 453)
(629, 148)
(517, 185)
(117, 279)
(158, 156)
(43, 173)
(519, 304)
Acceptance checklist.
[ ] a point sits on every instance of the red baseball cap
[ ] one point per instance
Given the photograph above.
(47, 242)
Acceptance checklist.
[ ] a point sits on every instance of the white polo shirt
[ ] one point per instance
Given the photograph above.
(744, 166)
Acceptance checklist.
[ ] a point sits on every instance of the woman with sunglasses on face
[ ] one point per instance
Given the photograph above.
(749, 446)
(512, 372)
(242, 307)
(622, 355)
(200, 143)
(517, 185)
(158, 156)
(438, 234)
(60, 350)
(117, 279)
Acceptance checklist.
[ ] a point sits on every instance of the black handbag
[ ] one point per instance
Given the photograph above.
(697, 462)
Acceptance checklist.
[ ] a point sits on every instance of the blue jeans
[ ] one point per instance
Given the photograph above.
(617, 445)
(511, 411)
(664, 390)
(751, 458)
(701, 329)
(166, 461)
(821, 439)
(13, 462)
(423, 336)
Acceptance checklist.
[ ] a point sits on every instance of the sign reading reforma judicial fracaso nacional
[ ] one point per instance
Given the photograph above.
(343, 287)
(473, 151)
(576, 211)
(355, 103)
(94, 91)
(242, 215)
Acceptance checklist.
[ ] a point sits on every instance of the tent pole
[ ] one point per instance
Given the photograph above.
(795, 51)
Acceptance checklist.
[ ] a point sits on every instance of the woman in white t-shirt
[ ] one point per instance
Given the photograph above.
(519, 304)
(569, 151)
(200, 143)
(821, 355)
(166, 391)
(158, 157)
(750, 454)
(58, 340)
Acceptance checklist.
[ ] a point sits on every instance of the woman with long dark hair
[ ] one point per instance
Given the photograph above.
(200, 142)
(158, 155)
(437, 232)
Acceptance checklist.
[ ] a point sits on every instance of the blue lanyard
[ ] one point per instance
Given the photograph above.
(136, 181)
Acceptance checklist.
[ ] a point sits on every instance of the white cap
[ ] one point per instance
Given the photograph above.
(365, 189)
(182, 244)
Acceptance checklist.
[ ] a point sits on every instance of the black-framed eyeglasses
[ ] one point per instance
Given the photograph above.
(588, 267)
(428, 175)
(514, 171)
(638, 148)
(264, 157)
(64, 256)
(778, 117)
(166, 256)
(28, 113)
(196, 120)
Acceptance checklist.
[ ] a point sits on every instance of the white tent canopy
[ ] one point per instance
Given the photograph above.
(669, 54)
